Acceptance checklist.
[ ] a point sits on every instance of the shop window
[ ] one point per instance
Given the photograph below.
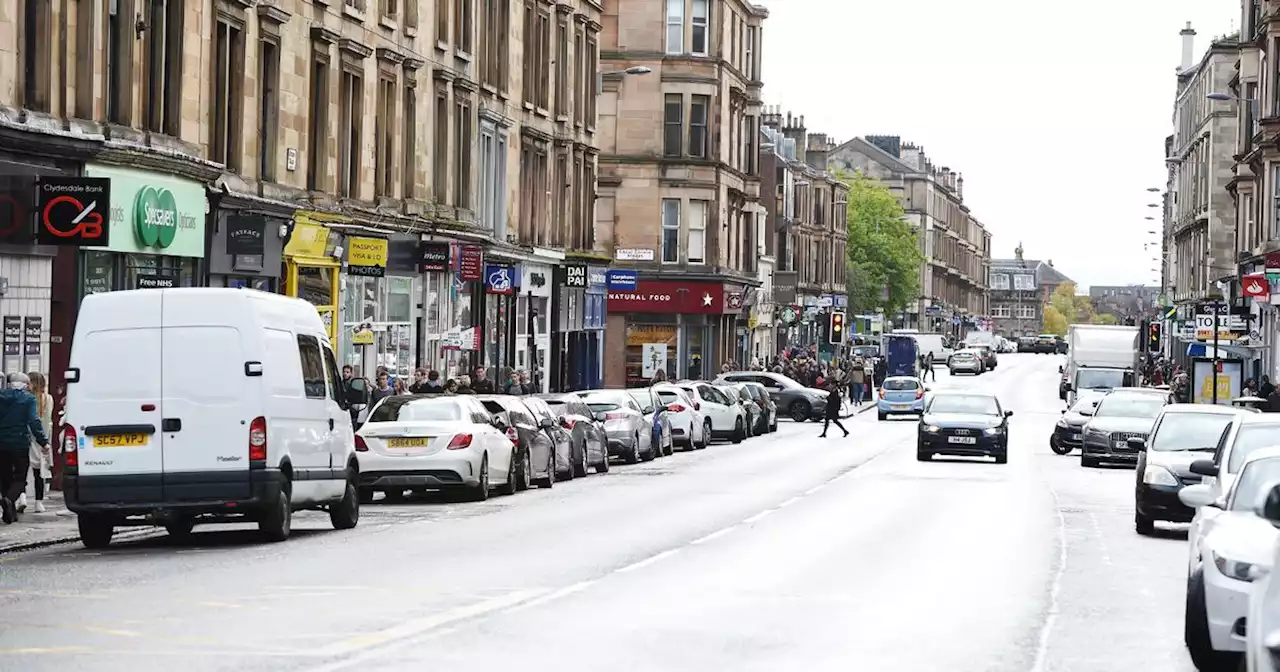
(136, 266)
(98, 268)
(651, 348)
(314, 285)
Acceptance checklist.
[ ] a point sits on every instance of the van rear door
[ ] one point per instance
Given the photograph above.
(209, 401)
(115, 405)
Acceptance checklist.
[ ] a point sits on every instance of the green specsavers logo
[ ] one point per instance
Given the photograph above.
(155, 217)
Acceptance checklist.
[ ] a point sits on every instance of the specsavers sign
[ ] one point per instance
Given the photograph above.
(153, 213)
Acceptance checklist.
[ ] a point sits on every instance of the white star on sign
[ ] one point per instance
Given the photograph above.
(706, 299)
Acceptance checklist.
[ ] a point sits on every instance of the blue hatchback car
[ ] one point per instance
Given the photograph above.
(900, 395)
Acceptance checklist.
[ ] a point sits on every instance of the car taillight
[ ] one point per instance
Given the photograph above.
(460, 441)
(69, 446)
(362, 446)
(919, 393)
(513, 435)
(568, 423)
(676, 408)
(615, 416)
(258, 439)
(882, 393)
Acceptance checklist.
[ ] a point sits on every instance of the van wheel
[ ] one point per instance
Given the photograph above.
(95, 531)
(480, 491)
(345, 514)
(180, 529)
(277, 522)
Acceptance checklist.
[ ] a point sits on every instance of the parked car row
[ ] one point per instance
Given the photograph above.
(1217, 468)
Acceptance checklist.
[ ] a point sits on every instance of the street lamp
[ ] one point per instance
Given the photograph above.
(1228, 97)
(633, 70)
(1154, 190)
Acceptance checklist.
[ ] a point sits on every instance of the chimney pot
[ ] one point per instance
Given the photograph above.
(1188, 46)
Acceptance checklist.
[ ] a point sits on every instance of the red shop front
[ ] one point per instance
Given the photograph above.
(676, 327)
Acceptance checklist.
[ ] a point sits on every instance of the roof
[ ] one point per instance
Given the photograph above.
(876, 154)
(1046, 274)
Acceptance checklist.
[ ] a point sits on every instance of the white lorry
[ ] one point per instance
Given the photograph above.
(1099, 357)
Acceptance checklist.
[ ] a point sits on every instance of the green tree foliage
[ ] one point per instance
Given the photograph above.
(1074, 309)
(884, 250)
(1054, 321)
(1105, 318)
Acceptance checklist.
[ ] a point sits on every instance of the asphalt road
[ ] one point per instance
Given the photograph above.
(783, 553)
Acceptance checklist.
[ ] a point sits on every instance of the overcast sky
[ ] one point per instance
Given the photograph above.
(1055, 114)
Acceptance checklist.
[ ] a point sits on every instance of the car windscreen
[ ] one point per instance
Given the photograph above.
(1255, 482)
(1099, 379)
(641, 397)
(412, 409)
(668, 396)
(968, 404)
(898, 384)
(1189, 431)
(1129, 406)
(1250, 438)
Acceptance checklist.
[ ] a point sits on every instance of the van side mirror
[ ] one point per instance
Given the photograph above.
(1269, 507)
(1204, 468)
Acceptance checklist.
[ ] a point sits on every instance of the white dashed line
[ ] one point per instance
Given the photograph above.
(646, 562)
(814, 489)
(789, 502)
(1046, 631)
(714, 535)
(549, 597)
(758, 517)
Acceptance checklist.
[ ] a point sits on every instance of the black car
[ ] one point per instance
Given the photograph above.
(793, 400)
(1067, 433)
(1046, 344)
(1124, 413)
(590, 445)
(968, 424)
(1183, 433)
(536, 452)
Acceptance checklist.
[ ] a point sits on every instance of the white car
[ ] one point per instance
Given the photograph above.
(726, 417)
(1262, 631)
(1245, 434)
(689, 427)
(1234, 548)
(435, 443)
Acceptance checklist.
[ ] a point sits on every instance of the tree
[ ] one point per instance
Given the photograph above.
(1074, 309)
(883, 248)
(1054, 322)
(1105, 318)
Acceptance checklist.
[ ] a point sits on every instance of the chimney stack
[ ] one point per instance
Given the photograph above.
(960, 187)
(1188, 46)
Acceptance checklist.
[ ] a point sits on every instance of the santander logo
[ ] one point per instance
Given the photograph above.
(1255, 286)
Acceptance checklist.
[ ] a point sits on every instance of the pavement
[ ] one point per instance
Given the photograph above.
(785, 552)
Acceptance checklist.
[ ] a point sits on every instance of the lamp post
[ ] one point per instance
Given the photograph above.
(633, 70)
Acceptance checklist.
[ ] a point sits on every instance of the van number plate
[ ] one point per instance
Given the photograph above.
(119, 440)
(416, 442)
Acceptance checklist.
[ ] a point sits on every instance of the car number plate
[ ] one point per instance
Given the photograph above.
(961, 439)
(119, 440)
(1075, 437)
(1121, 444)
(900, 407)
(413, 442)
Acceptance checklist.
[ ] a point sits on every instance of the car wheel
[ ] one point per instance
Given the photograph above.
(671, 446)
(1058, 447)
(513, 477)
(655, 450)
(549, 481)
(634, 456)
(739, 430)
(882, 416)
(1002, 457)
(180, 529)
(603, 467)
(95, 530)
(1142, 524)
(480, 491)
(277, 522)
(526, 472)
(774, 426)
(706, 433)
(345, 514)
(799, 411)
(580, 469)
(952, 371)
(1196, 631)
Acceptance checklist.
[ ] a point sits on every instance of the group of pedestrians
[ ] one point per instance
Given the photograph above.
(26, 421)
(514, 381)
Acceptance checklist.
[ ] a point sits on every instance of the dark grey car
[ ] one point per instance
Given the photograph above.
(793, 400)
(1122, 414)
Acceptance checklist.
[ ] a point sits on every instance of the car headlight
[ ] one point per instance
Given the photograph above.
(1158, 476)
(1062, 423)
(993, 431)
(1241, 571)
(932, 429)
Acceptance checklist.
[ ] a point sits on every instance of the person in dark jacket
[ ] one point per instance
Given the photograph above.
(19, 424)
(833, 410)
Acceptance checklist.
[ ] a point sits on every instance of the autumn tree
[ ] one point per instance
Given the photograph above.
(883, 248)
(1054, 321)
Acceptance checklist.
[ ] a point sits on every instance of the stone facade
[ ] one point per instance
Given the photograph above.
(1019, 290)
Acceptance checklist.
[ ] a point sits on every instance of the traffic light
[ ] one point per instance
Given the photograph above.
(1153, 336)
(835, 328)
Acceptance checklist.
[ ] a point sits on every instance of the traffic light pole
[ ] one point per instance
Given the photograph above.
(1216, 361)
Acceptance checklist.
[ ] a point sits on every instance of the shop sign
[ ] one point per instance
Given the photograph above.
(573, 276)
(733, 300)
(597, 277)
(623, 281)
(153, 213)
(307, 240)
(633, 254)
(73, 211)
(157, 281)
(244, 235)
(433, 257)
(499, 279)
(784, 287)
(12, 335)
(367, 257)
(471, 263)
(658, 296)
(32, 325)
(1255, 286)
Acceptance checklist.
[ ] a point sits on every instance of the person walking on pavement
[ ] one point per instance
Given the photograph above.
(857, 382)
(833, 410)
(19, 425)
(41, 456)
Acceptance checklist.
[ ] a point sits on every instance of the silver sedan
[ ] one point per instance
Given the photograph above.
(966, 361)
(630, 435)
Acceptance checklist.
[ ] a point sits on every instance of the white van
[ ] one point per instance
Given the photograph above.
(204, 405)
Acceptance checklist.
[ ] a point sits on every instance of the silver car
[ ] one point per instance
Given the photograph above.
(966, 361)
(630, 435)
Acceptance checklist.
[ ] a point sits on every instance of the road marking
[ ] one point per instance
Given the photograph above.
(758, 517)
(1102, 542)
(110, 631)
(55, 649)
(714, 535)
(419, 626)
(789, 502)
(1046, 631)
(549, 597)
(814, 489)
(647, 561)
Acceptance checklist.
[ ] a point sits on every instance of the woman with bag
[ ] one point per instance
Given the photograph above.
(41, 458)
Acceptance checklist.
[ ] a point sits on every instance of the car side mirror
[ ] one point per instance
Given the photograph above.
(1137, 443)
(648, 410)
(498, 422)
(598, 416)
(1196, 496)
(359, 407)
(546, 423)
(1204, 468)
(1269, 507)
(1061, 370)
(1008, 414)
